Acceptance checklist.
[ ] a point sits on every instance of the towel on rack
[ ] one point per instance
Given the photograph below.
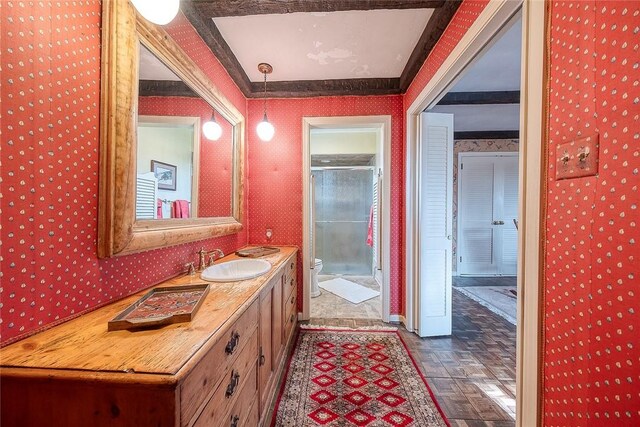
(180, 209)
(159, 209)
(370, 230)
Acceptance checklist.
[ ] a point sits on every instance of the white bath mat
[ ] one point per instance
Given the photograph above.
(350, 291)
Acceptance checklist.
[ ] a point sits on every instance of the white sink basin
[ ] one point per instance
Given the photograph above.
(232, 271)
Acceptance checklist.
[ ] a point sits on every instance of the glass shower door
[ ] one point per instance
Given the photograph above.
(343, 199)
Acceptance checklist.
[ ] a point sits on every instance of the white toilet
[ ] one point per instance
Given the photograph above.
(315, 289)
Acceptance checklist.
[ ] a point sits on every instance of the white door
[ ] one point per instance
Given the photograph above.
(435, 207)
(487, 207)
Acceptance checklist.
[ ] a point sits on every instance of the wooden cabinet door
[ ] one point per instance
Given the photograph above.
(265, 360)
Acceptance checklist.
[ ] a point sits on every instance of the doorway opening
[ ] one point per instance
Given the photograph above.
(346, 228)
(485, 104)
(486, 248)
(468, 208)
(469, 188)
(494, 21)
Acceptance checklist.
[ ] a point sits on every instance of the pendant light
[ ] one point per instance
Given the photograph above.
(159, 12)
(212, 129)
(265, 129)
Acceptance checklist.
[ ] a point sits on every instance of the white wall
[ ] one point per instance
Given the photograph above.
(343, 142)
(171, 144)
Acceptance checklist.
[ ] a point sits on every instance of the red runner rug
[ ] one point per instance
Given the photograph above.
(354, 378)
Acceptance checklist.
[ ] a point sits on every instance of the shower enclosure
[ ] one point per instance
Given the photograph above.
(343, 199)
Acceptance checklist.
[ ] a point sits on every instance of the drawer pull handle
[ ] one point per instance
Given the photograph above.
(291, 318)
(293, 298)
(292, 265)
(234, 421)
(231, 388)
(291, 284)
(233, 343)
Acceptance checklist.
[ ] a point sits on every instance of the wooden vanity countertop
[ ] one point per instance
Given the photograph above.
(84, 344)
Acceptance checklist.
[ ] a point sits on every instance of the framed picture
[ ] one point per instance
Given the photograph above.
(166, 175)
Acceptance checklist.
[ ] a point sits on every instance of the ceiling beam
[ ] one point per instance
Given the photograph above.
(478, 98)
(430, 36)
(311, 88)
(165, 88)
(487, 134)
(199, 13)
(211, 36)
(217, 8)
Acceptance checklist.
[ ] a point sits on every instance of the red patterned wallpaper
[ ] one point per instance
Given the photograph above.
(50, 121)
(275, 172)
(214, 189)
(592, 272)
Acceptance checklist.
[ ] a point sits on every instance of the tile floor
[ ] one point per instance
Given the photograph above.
(330, 306)
(472, 372)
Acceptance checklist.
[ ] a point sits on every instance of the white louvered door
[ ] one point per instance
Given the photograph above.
(475, 209)
(435, 224)
(507, 210)
(487, 205)
(146, 196)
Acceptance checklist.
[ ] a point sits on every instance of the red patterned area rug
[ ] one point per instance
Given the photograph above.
(339, 377)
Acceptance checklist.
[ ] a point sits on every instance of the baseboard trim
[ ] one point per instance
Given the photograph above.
(398, 318)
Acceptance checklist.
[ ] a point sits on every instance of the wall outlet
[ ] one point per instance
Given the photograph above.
(269, 234)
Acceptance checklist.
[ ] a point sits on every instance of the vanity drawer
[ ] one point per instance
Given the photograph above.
(290, 281)
(290, 269)
(289, 305)
(290, 316)
(226, 395)
(247, 396)
(203, 379)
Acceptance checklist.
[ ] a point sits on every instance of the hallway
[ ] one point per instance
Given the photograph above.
(471, 373)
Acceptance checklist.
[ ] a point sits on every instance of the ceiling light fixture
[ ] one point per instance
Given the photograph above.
(265, 129)
(159, 12)
(212, 129)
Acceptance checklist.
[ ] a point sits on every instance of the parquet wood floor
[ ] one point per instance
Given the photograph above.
(472, 372)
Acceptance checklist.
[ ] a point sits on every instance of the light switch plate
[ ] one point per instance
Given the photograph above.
(577, 158)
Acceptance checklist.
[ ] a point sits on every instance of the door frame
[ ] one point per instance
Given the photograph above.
(474, 154)
(383, 125)
(489, 23)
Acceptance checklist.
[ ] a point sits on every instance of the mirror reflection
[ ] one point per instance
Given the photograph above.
(184, 165)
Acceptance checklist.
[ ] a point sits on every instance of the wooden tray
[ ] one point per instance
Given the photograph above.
(257, 252)
(161, 306)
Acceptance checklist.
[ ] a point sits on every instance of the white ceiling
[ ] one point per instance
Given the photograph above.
(151, 68)
(498, 68)
(323, 46)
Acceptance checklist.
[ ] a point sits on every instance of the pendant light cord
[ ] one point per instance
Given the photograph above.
(264, 99)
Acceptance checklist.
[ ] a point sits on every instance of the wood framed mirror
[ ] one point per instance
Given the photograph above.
(129, 219)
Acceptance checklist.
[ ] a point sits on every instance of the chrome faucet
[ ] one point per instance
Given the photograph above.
(204, 262)
(212, 256)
